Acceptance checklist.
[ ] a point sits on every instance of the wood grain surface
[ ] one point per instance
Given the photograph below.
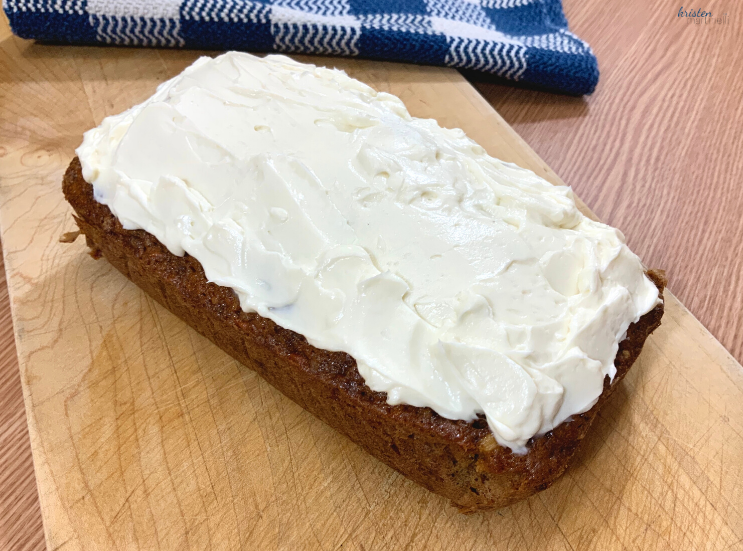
(638, 79)
(20, 516)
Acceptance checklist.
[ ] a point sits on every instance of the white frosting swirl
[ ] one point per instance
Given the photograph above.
(456, 281)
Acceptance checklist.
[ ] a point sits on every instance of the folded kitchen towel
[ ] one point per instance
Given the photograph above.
(521, 40)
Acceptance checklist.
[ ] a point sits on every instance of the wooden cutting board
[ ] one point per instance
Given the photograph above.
(145, 435)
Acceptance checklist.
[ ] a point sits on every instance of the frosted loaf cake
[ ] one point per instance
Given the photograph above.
(461, 288)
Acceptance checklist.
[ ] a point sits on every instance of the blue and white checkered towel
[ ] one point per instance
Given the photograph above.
(521, 40)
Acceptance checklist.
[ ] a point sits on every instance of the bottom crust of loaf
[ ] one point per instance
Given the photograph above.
(456, 459)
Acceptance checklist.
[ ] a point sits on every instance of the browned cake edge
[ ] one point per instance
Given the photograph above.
(456, 459)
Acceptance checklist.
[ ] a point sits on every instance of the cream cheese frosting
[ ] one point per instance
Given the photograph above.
(455, 280)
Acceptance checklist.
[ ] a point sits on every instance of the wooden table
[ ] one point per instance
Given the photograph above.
(663, 129)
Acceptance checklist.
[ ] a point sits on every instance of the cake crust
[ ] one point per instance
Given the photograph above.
(457, 459)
